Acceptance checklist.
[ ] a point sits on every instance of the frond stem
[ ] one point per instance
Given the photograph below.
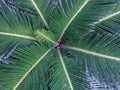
(92, 53)
(40, 13)
(18, 35)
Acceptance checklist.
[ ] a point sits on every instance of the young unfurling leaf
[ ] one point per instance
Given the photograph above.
(43, 35)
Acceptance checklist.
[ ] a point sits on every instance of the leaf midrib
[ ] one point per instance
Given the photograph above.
(40, 13)
(17, 35)
(93, 53)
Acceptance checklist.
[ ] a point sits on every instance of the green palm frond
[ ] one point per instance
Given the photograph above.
(26, 64)
(75, 72)
(101, 53)
(38, 7)
(78, 15)
(110, 22)
(59, 44)
(15, 28)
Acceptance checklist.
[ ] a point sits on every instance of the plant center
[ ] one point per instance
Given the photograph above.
(58, 45)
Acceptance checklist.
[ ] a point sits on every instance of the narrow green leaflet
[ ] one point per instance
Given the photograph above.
(111, 22)
(26, 68)
(15, 28)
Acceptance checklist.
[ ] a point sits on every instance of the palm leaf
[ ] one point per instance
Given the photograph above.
(36, 7)
(101, 53)
(27, 68)
(81, 49)
(25, 65)
(78, 16)
(15, 28)
(67, 73)
(110, 22)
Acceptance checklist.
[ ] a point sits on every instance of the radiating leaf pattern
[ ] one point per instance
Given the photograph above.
(54, 44)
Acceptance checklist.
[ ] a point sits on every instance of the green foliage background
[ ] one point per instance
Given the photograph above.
(84, 32)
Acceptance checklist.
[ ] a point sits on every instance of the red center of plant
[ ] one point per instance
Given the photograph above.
(58, 45)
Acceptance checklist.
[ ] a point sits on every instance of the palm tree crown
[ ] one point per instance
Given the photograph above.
(56, 44)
